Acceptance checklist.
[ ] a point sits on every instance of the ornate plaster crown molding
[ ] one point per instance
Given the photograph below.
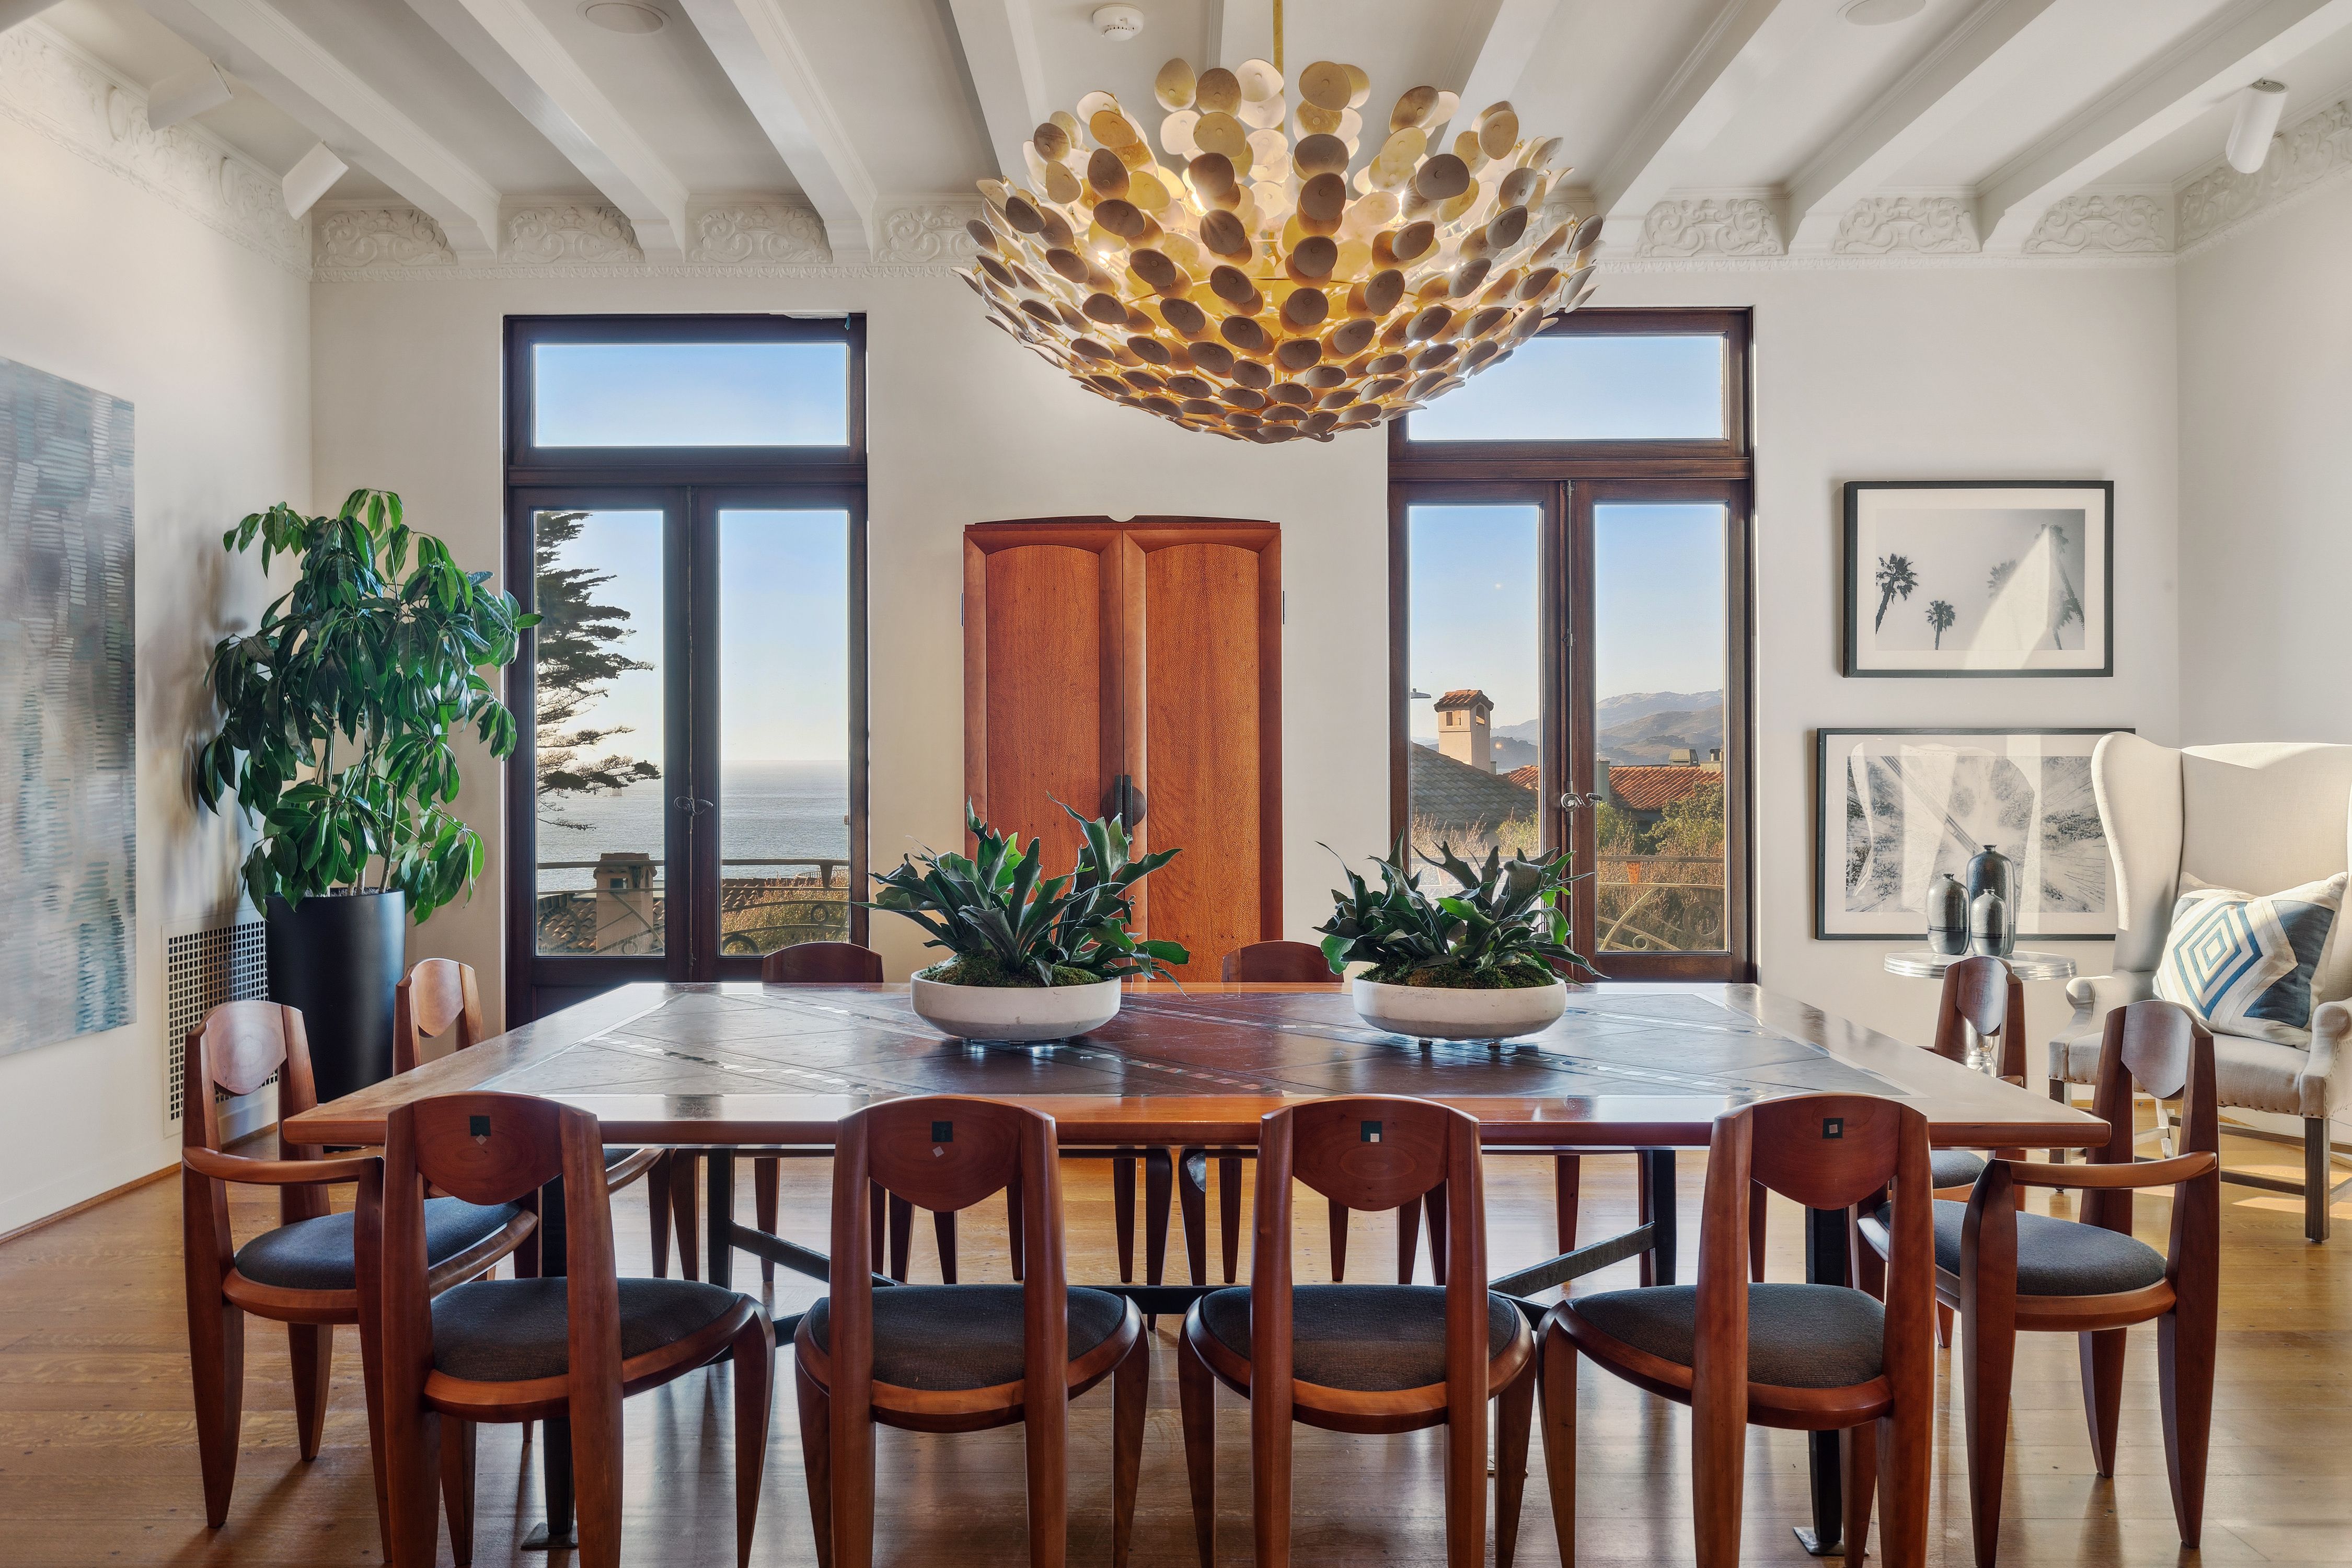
(738, 231)
(1687, 226)
(1918, 225)
(2309, 153)
(2108, 223)
(926, 232)
(52, 88)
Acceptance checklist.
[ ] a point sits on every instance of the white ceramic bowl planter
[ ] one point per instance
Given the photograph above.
(1440, 1013)
(1018, 1013)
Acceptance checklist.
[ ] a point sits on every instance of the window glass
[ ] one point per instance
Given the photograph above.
(1658, 733)
(1475, 710)
(1587, 388)
(690, 395)
(597, 677)
(783, 728)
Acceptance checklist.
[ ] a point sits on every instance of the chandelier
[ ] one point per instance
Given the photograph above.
(1257, 287)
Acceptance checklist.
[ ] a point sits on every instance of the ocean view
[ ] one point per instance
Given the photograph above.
(767, 811)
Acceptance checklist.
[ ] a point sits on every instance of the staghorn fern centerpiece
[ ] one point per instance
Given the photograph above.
(1005, 924)
(1504, 930)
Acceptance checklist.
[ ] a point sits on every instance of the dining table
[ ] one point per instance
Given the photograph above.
(726, 1069)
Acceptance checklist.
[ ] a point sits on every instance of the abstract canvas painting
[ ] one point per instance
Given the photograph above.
(1898, 807)
(1978, 578)
(69, 958)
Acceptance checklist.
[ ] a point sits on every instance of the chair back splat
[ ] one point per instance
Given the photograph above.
(1279, 962)
(1982, 995)
(821, 963)
(437, 995)
(2161, 1050)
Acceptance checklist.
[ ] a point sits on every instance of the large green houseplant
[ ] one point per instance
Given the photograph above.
(1030, 956)
(1481, 962)
(340, 713)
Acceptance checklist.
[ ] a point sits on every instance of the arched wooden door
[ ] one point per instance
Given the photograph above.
(1135, 669)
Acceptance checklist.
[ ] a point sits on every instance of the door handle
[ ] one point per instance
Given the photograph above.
(1124, 801)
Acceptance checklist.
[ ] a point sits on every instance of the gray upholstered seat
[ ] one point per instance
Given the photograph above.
(508, 1331)
(2057, 1256)
(1954, 1167)
(614, 1153)
(316, 1254)
(949, 1337)
(1799, 1336)
(1372, 1339)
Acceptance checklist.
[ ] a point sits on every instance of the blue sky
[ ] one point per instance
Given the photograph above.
(1586, 388)
(691, 394)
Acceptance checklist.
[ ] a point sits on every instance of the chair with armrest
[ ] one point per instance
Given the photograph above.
(1800, 1357)
(439, 995)
(569, 1346)
(2259, 818)
(302, 1274)
(1364, 1358)
(958, 1358)
(2009, 1272)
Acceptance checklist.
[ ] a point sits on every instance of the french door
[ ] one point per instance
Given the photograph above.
(1570, 669)
(689, 791)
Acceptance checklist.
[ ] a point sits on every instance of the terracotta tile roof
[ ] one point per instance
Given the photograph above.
(1529, 777)
(1465, 696)
(1654, 788)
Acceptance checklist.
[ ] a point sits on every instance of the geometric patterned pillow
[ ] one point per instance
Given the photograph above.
(2244, 963)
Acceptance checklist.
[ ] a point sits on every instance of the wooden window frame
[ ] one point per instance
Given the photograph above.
(1566, 479)
(690, 486)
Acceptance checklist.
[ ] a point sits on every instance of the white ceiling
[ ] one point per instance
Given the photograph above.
(458, 106)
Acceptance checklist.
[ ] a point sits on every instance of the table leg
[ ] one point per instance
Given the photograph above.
(719, 1192)
(1825, 1264)
(555, 1532)
(1658, 1169)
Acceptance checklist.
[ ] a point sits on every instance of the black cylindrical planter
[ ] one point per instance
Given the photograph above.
(338, 960)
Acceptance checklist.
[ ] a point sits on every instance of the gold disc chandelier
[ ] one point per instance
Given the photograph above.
(1257, 288)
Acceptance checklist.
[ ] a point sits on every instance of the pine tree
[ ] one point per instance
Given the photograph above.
(578, 660)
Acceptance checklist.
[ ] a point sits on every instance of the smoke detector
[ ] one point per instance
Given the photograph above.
(1117, 23)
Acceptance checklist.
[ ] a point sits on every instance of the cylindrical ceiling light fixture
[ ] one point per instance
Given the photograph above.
(2259, 107)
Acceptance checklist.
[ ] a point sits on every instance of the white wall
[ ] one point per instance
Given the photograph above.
(106, 283)
(1882, 371)
(2265, 492)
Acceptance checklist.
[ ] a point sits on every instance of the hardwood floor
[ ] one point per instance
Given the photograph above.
(97, 1459)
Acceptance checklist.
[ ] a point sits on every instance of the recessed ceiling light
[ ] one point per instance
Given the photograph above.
(1875, 13)
(625, 16)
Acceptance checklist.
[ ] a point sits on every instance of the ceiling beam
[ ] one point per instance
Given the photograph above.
(998, 38)
(1965, 70)
(506, 43)
(764, 55)
(1500, 57)
(1746, 48)
(14, 11)
(255, 41)
(2197, 74)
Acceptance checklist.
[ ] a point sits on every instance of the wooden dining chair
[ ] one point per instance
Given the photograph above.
(1981, 999)
(1363, 1358)
(2008, 1272)
(958, 1358)
(1279, 962)
(303, 1273)
(569, 1346)
(1800, 1357)
(439, 995)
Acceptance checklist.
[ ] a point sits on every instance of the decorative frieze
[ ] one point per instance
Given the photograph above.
(572, 233)
(394, 238)
(926, 233)
(52, 88)
(1712, 226)
(2309, 153)
(734, 233)
(1918, 225)
(2109, 223)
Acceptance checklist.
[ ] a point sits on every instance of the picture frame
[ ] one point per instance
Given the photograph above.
(1981, 578)
(1894, 806)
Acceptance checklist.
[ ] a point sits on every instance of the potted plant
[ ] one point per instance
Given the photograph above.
(1032, 957)
(338, 714)
(1476, 964)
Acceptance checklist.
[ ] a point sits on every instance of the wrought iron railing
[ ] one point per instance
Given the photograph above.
(756, 914)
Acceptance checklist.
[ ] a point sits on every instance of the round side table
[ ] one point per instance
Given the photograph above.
(1925, 964)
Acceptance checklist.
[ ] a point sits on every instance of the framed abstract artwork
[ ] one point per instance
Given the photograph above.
(1895, 807)
(1979, 578)
(68, 949)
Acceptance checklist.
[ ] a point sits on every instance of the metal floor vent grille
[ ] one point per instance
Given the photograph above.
(203, 969)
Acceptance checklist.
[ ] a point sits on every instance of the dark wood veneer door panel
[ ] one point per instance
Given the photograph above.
(1202, 748)
(1046, 708)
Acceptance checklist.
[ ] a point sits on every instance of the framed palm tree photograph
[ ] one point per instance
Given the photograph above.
(1979, 577)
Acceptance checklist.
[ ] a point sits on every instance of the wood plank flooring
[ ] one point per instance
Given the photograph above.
(98, 1460)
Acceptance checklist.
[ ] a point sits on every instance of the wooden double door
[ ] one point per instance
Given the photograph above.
(1135, 670)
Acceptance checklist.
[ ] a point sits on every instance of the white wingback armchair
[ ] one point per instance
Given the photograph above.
(2259, 818)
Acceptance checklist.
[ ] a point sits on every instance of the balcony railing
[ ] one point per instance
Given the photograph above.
(756, 914)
